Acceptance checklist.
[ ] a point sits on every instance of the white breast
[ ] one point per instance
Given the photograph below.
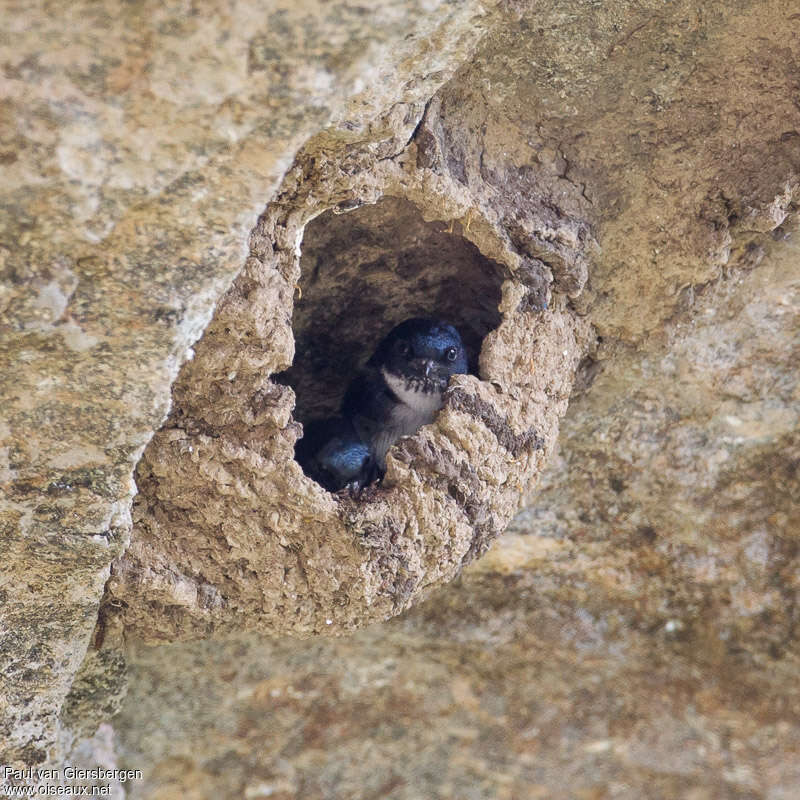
(414, 410)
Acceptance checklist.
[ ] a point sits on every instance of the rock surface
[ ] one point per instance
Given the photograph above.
(633, 164)
(139, 147)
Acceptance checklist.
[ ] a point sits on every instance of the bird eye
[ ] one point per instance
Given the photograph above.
(403, 348)
(451, 353)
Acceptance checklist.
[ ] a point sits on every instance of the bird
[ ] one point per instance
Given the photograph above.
(398, 390)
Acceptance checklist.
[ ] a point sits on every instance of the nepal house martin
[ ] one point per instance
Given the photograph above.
(397, 392)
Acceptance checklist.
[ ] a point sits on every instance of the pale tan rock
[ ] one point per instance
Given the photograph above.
(139, 145)
(634, 633)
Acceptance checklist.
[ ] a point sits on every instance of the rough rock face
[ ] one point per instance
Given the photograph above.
(139, 147)
(633, 634)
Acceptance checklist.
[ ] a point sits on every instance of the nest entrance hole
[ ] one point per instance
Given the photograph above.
(364, 272)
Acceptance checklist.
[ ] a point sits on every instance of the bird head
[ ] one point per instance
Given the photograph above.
(423, 352)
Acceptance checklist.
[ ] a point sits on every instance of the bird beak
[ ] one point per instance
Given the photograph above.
(429, 367)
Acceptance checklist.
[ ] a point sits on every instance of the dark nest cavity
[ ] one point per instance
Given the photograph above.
(368, 270)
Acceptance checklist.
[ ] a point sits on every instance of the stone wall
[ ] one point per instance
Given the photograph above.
(603, 195)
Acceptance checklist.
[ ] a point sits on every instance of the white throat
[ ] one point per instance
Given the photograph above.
(426, 404)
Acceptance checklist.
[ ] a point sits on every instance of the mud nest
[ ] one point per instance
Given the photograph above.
(231, 535)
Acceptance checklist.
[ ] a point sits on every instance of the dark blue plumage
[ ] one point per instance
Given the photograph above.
(333, 454)
(398, 391)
